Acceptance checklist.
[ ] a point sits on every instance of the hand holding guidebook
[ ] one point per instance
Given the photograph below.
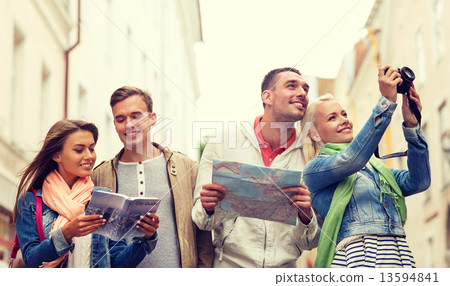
(121, 212)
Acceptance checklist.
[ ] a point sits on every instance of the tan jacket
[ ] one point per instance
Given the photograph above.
(194, 245)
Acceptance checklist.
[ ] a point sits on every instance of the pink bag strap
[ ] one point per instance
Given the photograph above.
(15, 249)
(39, 227)
(39, 224)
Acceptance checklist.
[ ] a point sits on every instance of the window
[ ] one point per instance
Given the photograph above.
(109, 36)
(130, 56)
(438, 31)
(6, 233)
(430, 255)
(109, 133)
(144, 71)
(448, 227)
(44, 101)
(82, 101)
(18, 77)
(448, 237)
(444, 131)
(425, 131)
(420, 58)
(66, 5)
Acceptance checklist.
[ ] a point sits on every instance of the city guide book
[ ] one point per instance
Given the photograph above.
(121, 212)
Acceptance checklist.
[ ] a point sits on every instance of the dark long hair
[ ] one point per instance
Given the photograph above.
(34, 174)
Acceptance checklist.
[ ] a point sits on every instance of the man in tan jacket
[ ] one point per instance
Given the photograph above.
(145, 169)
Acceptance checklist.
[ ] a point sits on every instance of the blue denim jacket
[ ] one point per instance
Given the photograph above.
(105, 252)
(368, 212)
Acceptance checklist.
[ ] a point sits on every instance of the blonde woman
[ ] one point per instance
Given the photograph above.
(362, 201)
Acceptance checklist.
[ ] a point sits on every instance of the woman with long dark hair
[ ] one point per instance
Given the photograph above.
(60, 175)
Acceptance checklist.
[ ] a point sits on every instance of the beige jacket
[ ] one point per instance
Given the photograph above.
(194, 245)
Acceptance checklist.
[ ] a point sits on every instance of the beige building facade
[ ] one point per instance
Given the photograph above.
(108, 43)
(410, 33)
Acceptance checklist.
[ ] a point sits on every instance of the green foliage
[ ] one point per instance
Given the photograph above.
(203, 145)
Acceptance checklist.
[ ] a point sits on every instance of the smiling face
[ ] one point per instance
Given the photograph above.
(332, 123)
(133, 122)
(77, 157)
(288, 99)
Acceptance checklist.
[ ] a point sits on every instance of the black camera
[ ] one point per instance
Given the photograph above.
(408, 77)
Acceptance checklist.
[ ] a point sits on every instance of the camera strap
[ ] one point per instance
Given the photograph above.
(418, 116)
(388, 156)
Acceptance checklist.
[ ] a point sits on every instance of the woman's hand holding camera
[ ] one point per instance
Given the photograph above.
(393, 81)
(409, 118)
(388, 80)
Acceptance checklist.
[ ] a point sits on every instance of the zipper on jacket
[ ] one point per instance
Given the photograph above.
(307, 236)
(265, 244)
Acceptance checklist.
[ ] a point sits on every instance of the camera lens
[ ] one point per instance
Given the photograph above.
(407, 73)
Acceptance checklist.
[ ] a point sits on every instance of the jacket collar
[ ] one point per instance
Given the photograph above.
(39, 192)
(249, 133)
(167, 154)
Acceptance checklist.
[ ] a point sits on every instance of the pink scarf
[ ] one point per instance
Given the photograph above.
(68, 203)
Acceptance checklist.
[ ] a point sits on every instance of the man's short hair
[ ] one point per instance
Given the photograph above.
(126, 91)
(270, 76)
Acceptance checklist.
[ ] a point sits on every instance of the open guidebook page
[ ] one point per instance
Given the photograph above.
(121, 213)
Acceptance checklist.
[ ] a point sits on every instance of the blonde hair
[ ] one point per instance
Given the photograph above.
(308, 124)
